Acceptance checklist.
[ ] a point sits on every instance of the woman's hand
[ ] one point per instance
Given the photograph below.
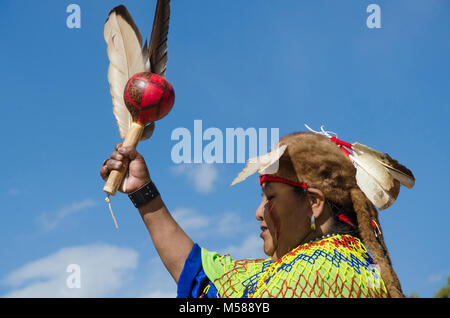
(138, 174)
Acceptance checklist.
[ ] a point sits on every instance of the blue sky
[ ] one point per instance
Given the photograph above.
(254, 63)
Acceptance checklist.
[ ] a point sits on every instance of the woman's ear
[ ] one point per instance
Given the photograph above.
(316, 200)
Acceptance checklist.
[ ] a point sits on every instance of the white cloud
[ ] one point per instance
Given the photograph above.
(250, 247)
(190, 220)
(230, 224)
(50, 220)
(202, 176)
(160, 294)
(104, 269)
(226, 224)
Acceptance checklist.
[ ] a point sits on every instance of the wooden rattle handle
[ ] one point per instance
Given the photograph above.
(116, 176)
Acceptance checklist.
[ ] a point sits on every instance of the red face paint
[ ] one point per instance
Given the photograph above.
(273, 217)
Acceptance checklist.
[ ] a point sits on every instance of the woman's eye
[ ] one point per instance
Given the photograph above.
(270, 197)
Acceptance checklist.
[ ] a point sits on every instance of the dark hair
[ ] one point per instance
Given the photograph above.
(339, 226)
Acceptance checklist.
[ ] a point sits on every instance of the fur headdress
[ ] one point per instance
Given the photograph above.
(309, 159)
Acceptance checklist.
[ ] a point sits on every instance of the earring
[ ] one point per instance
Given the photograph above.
(313, 223)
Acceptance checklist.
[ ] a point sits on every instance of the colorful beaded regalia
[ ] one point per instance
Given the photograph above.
(333, 267)
(341, 265)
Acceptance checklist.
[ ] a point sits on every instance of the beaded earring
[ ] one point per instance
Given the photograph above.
(313, 223)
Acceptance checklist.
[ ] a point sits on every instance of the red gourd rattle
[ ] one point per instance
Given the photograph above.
(148, 97)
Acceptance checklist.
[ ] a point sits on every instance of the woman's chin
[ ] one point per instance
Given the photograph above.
(268, 246)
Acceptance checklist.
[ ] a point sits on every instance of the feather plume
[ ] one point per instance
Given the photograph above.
(395, 169)
(377, 174)
(372, 166)
(267, 163)
(373, 179)
(127, 56)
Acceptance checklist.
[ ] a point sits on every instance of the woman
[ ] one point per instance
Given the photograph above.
(319, 229)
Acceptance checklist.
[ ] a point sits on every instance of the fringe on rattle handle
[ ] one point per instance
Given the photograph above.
(110, 210)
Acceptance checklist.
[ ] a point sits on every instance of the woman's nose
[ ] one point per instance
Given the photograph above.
(259, 214)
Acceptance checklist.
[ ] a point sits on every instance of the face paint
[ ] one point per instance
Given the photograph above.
(269, 207)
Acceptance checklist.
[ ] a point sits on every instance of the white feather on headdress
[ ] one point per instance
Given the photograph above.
(377, 174)
(264, 164)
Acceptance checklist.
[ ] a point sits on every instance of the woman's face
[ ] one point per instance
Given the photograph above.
(284, 218)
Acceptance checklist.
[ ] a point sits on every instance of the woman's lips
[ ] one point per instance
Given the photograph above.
(263, 230)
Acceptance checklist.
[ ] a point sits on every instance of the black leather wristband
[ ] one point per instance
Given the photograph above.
(144, 194)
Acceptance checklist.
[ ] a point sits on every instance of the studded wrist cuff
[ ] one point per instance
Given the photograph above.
(144, 194)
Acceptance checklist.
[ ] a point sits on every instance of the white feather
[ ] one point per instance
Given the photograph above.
(375, 169)
(373, 179)
(265, 164)
(395, 169)
(373, 191)
(126, 58)
(404, 179)
(377, 174)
